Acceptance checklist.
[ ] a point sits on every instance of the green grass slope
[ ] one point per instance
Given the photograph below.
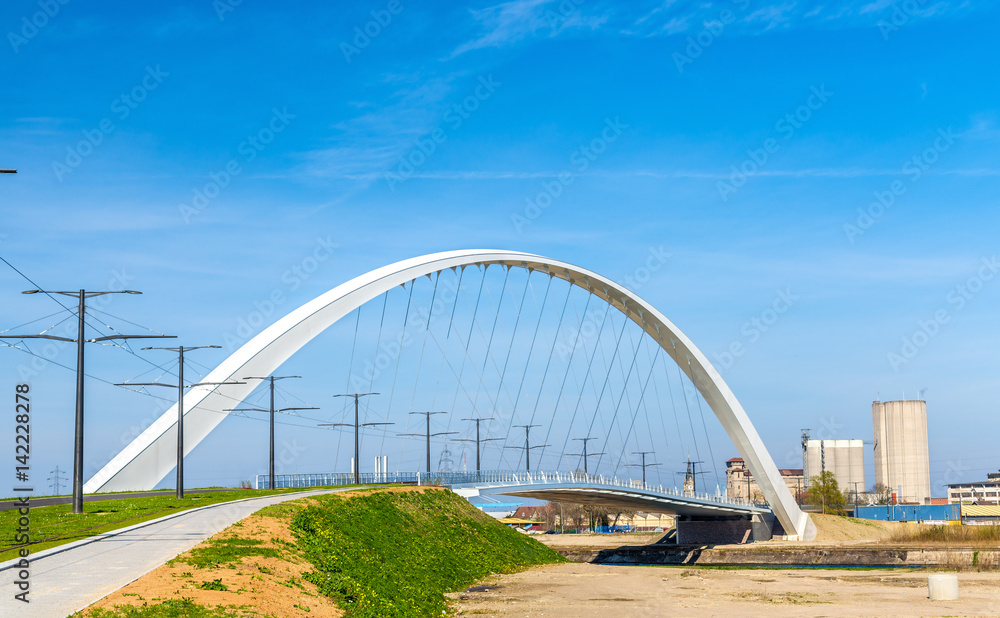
(395, 553)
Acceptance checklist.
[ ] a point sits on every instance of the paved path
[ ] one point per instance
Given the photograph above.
(68, 578)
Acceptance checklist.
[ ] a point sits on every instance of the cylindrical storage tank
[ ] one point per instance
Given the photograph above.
(901, 457)
(844, 458)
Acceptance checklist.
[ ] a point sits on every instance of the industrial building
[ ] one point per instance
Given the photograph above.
(741, 484)
(922, 513)
(902, 463)
(845, 458)
(980, 492)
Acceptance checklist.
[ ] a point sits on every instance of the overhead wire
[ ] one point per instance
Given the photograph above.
(583, 383)
(569, 362)
(468, 339)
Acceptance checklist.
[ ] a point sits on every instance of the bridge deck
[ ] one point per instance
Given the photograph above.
(597, 491)
(553, 486)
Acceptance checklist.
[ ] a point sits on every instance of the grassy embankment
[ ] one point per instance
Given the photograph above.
(391, 552)
(395, 554)
(57, 525)
(949, 536)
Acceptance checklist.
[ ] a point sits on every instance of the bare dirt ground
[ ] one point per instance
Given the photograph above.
(272, 586)
(570, 590)
(830, 530)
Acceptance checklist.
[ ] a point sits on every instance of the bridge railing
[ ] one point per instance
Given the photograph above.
(487, 477)
(282, 481)
(502, 477)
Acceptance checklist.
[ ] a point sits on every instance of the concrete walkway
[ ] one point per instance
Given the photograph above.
(68, 578)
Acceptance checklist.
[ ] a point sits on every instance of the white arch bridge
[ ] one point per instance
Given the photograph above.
(152, 455)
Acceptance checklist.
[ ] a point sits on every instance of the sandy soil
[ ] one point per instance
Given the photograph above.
(570, 590)
(271, 586)
(831, 529)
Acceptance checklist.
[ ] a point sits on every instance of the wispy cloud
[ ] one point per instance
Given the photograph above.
(369, 143)
(517, 21)
(510, 22)
(846, 172)
(984, 127)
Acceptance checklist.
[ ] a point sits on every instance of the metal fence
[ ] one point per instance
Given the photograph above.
(282, 481)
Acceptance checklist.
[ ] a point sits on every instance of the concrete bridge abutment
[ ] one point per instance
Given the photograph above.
(727, 530)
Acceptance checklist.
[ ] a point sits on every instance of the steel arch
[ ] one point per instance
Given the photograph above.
(151, 456)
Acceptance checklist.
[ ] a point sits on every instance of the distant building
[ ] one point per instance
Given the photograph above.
(901, 460)
(521, 524)
(534, 513)
(845, 458)
(648, 522)
(925, 513)
(981, 492)
(741, 484)
(690, 484)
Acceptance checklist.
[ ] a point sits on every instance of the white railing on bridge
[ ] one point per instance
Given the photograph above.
(282, 481)
(490, 477)
(499, 477)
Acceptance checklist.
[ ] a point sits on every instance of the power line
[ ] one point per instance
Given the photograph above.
(81, 339)
(527, 445)
(180, 386)
(56, 480)
(584, 453)
(357, 427)
(428, 435)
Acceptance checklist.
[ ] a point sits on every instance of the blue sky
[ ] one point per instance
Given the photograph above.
(844, 156)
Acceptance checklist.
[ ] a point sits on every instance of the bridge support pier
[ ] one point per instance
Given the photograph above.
(727, 530)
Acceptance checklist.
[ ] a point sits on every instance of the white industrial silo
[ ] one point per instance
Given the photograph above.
(845, 458)
(901, 459)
